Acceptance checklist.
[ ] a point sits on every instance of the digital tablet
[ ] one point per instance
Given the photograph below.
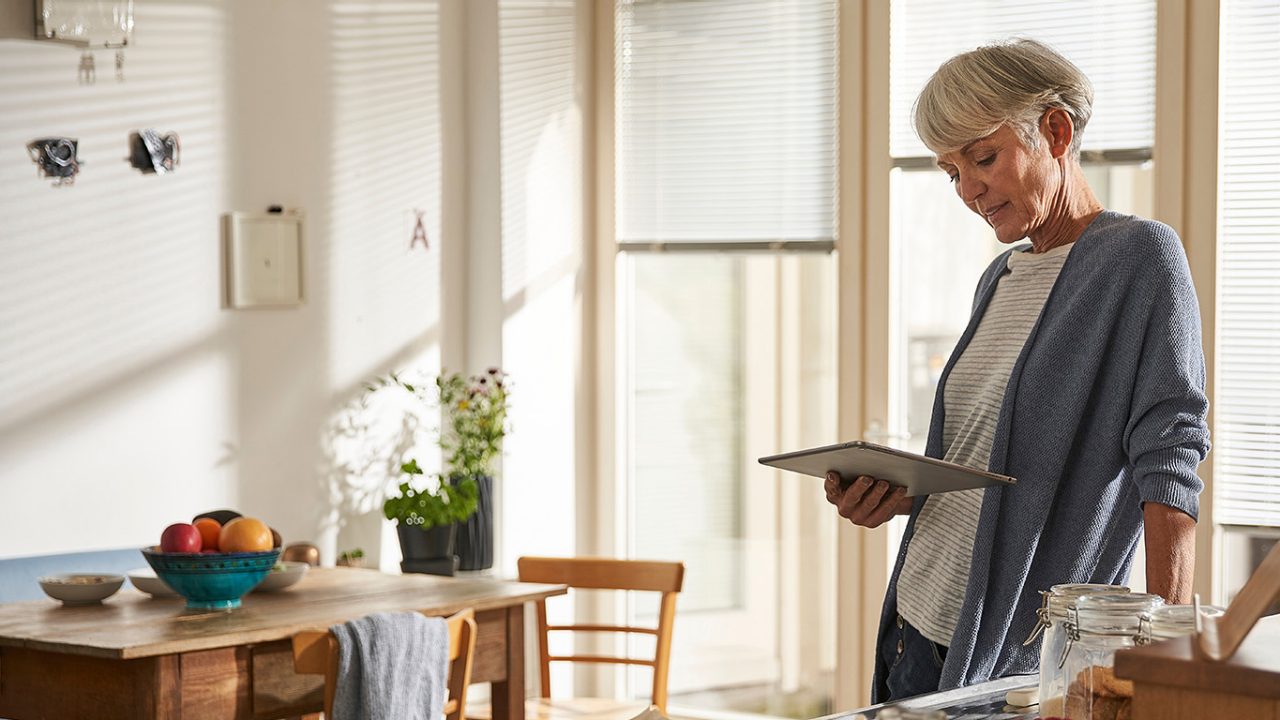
(920, 475)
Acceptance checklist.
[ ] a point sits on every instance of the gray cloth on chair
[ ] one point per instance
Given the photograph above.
(391, 666)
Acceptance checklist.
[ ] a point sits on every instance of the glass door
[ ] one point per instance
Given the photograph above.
(728, 357)
(725, 147)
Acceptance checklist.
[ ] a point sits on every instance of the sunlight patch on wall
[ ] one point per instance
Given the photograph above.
(541, 241)
(385, 161)
(105, 279)
(115, 475)
(541, 137)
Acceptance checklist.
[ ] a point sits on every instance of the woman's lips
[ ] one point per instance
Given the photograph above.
(991, 216)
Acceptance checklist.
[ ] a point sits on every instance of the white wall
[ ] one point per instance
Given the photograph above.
(541, 272)
(129, 398)
(542, 290)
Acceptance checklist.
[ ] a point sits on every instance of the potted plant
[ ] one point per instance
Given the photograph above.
(351, 558)
(427, 517)
(475, 424)
(459, 503)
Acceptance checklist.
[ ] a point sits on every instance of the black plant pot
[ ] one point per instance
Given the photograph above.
(435, 543)
(475, 534)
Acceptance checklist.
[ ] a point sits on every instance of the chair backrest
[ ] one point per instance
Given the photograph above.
(608, 574)
(315, 652)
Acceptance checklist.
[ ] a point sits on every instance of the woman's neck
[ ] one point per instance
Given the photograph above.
(1073, 207)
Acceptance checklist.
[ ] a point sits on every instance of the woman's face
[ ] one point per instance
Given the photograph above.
(1005, 183)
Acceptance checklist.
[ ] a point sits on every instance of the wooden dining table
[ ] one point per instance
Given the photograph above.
(134, 656)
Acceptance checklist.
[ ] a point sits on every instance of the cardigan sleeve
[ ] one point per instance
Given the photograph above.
(1167, 434)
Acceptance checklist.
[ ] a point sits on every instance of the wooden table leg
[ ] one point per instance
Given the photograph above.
(508, 695)
(165, 683)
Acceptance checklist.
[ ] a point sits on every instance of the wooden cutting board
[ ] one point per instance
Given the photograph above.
(1231, 669)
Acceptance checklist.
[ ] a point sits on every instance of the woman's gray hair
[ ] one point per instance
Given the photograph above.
(1015, 82)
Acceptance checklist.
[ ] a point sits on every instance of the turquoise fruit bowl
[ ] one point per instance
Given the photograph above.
(211, 581)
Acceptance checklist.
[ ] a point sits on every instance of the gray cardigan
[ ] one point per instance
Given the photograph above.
(1105, 410)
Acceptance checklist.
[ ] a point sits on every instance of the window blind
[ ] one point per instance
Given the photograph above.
(1247, 405)
(1113, 43)
(725, 120)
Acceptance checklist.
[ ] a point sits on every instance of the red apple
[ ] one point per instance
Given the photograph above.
(180, 537)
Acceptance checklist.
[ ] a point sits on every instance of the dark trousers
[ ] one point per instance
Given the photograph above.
(914, 662)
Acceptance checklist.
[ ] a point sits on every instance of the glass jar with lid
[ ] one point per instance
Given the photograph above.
(1052, 617)
(1097, 627)
(1171, 621)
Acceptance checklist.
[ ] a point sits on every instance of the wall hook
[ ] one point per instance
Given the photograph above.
(151, 152)
(56, 158)
(88, 70)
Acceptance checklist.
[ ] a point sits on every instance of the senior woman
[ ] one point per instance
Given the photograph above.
(1081, 373)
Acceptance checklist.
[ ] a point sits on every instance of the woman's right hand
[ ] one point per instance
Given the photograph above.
(867, 502)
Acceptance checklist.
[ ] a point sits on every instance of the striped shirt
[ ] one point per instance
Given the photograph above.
(936, 570)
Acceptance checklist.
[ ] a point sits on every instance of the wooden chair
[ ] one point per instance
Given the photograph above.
(601, 574)
(316, 653)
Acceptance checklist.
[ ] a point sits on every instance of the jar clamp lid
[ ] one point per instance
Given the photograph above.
(1113, 614)
(1056, 603)
(1171, 621)
(1110, 614)
(1062, 597)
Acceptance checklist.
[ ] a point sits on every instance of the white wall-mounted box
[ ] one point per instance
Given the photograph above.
(263, 259)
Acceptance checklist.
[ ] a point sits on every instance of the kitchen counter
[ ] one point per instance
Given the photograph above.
(984, 700)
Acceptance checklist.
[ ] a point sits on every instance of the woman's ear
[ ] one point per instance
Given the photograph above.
(1059, 130)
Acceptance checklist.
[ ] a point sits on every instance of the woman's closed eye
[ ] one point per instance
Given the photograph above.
(981, 162)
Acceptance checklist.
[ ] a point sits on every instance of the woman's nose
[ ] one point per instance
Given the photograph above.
(969, 188)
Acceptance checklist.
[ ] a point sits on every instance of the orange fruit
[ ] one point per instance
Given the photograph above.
(245, 534)
(209, 530)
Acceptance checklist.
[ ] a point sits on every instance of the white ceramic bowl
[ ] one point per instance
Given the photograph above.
(145, 580)
(282, 576)
(81, 588)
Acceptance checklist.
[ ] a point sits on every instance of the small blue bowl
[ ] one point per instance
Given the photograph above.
(211, 581)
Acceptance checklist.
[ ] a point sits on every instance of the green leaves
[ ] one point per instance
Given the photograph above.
(448, 503)
(475, 423)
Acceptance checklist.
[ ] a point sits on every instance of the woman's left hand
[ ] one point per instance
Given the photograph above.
(867, 502)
